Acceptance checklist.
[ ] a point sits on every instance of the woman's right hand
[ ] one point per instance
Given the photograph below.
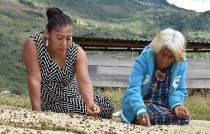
(93, 109)
(144, 120)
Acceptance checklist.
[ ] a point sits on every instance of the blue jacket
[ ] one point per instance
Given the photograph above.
(139, 82)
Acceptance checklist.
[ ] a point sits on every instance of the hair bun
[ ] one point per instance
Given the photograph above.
(52, 11)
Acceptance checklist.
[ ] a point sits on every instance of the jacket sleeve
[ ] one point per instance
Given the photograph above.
(134, 89)
(178, 94)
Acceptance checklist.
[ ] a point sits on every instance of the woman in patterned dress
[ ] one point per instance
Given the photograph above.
(58, 78)
(157, 88)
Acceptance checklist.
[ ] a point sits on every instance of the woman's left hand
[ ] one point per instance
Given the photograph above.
(93, 109)
(181, 112)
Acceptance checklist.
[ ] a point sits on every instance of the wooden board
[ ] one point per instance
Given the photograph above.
(198, 63)
(111, 60)
(198, 83)
(106, 71)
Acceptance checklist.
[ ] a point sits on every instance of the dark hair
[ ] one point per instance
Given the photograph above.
(57, 19)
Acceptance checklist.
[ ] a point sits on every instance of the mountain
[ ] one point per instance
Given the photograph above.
(124, 19)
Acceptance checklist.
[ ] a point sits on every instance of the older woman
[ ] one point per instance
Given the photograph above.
(57, 69)
(157, 87)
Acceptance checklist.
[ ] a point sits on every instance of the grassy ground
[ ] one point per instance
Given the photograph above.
(198, 101)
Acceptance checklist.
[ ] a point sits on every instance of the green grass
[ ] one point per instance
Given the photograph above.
(115, 95)
(199, 107)
(15, 101)
(197, 103)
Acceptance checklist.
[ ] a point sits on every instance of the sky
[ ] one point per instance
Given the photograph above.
(196, 5)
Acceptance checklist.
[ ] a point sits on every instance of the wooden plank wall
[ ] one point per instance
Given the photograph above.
(107, 71)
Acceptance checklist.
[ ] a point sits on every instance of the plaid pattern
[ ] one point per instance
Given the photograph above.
(163, 116)
(159, 96)
(157, 103)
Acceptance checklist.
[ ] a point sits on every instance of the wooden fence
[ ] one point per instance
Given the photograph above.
(107, 71)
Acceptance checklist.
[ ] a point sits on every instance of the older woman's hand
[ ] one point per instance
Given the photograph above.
(144, 120)
(181, 112)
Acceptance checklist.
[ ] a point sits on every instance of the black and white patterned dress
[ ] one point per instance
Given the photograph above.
(59, 88)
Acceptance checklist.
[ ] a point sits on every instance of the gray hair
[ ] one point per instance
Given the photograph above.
(172, 40)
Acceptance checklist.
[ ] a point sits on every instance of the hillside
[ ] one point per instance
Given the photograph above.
(134, 19)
